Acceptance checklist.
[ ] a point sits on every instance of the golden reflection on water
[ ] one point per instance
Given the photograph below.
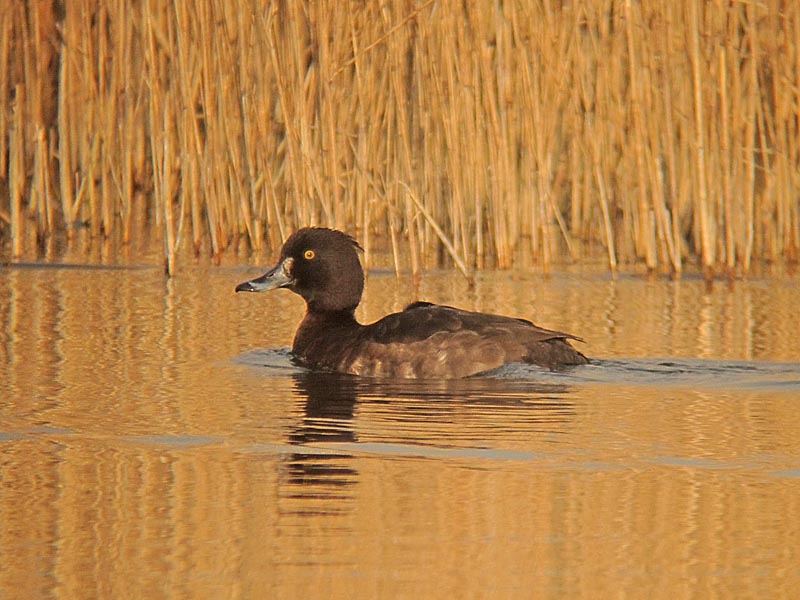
(139, 459)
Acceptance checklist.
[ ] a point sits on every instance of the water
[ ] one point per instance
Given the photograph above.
(157, 441)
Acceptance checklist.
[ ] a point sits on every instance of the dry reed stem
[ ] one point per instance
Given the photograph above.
(643, 240)
(442, 236)
(612, 253)
(7, 26)
(725, 166)
(707, 245)
(16, 173)
(511, 126)
(670, 160)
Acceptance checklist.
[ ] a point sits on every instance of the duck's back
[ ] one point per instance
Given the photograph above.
(429, 340)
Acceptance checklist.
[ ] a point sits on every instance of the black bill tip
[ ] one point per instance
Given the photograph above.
(245, 287)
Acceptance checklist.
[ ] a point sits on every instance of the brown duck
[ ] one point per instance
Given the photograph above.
(423, 341)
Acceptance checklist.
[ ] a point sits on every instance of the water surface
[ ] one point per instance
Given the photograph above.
(157, 441)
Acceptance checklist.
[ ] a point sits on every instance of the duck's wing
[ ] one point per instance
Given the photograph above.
(421, 320)
(429, 340)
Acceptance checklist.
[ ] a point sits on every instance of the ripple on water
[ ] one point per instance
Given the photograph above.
(667, 373)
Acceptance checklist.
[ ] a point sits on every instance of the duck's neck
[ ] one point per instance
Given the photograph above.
(322, 333)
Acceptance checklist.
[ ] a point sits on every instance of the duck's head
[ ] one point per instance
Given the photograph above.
(319, 264)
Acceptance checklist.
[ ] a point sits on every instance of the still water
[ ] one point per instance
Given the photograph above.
(157, 442)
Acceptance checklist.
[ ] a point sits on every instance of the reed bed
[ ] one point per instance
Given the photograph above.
(469, 134)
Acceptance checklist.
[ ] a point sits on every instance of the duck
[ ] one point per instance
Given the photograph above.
(424, 340)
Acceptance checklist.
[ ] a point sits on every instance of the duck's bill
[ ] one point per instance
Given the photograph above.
(277, 277)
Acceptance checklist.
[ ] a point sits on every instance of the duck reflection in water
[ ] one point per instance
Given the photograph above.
(328, 418)
(430, 417)
(329, 408)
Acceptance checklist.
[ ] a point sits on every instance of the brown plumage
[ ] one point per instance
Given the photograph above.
(423, 341)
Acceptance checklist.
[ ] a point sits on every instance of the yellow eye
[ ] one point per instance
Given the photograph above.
(309, 254)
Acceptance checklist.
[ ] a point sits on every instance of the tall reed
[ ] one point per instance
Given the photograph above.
(467, 134)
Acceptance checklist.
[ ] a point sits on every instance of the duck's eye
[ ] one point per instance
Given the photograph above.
(309, 254)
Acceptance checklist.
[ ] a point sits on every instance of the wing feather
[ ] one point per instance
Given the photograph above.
(442, 341)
